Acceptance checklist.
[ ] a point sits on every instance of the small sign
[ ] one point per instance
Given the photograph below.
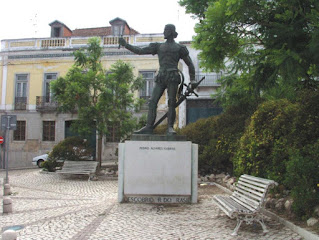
(1, 140)
(157, 199)
(9, 122)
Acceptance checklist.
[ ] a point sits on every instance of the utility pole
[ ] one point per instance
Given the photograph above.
(8, 122)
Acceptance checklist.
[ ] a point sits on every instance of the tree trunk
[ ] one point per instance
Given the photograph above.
(99, 150)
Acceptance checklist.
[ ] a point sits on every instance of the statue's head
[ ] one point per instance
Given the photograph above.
(170, 31)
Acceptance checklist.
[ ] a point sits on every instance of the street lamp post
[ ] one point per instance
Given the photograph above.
(8, 122)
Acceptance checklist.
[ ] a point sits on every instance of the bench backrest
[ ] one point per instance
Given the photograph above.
(251, 191)
(80, 165)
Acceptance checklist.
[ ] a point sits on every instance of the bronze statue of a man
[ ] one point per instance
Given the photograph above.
(168, 77)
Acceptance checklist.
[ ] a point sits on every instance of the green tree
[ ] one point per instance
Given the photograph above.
(265, 46)
(102, 101)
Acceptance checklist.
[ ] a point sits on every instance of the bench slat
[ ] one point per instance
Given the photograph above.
(245, 203)
(243, 193)
(255, 203)
(78, 167)
(249, 191)
(259, 187)
(230, 206)
(257, 179)
(257, 184)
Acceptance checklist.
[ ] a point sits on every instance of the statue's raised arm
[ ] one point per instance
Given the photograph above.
(138, 50)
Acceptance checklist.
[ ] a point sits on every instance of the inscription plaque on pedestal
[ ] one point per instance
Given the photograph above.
(158, 172)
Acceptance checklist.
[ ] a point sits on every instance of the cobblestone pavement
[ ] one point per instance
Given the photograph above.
(49, 206)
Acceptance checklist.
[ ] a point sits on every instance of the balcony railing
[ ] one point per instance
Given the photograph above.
(74, 42)
(211, 80)
(20, 103)
(46, 103)
(58, 42)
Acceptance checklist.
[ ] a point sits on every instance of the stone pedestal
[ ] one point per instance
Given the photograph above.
(7, 189)
(7, 205)
(158, 171)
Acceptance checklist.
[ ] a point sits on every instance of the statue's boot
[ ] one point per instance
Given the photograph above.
(145, 130)
(148, 129)
(170, 131)
(170, 120)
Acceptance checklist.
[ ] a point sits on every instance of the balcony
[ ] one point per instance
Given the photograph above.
(20, 103)
(74, 42)
(46, 43)
(211, 80)
(46, 104)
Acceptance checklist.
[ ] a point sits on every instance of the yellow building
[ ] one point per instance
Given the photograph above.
(28, 65)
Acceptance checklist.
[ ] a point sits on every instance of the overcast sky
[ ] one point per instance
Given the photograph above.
(31, 18)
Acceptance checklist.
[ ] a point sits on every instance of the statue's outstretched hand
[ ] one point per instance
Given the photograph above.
(122, 41)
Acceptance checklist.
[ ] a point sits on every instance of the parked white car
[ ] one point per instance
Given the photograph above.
(36, 161)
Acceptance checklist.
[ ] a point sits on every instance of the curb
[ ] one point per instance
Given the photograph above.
(307, 235)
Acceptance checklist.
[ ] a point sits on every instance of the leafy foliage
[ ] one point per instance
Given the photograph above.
(71, 149)
(196, 7)
(259, 43)
(161, 129)
(263, 147)
(217, 138)
(302, 178)
(102, 101)
(50, 165)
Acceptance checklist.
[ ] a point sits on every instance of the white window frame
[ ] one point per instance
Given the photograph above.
(149, 83)
(47, 81)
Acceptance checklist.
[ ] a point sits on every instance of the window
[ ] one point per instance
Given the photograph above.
(149, 77)
(48, 77)
(118, 30)
(56, 32)
(113, 133)
(21, 91)
(19, 133)
(48, 131)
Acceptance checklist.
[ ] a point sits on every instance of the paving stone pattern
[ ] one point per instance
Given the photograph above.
(50, 206)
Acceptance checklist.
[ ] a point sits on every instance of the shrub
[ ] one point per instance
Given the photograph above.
(142, 121)
(161, 129)
(302, 178)
(217, 138)
(306, 130)
(200, 132)
(224, 143)
(72, 149)
(50, 165)
(263, 147)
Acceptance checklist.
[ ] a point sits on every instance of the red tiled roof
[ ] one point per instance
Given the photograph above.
(133, 31)
(86, 32)
(101, 31)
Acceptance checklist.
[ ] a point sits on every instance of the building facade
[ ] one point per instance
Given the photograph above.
(27, 66)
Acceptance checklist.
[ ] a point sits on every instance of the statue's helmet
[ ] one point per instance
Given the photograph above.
(172, 28)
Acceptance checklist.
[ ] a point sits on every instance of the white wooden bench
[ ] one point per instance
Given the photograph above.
(246, 201)
(79, 168)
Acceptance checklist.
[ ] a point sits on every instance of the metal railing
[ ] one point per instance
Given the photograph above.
(46, 103)
(20, 103)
